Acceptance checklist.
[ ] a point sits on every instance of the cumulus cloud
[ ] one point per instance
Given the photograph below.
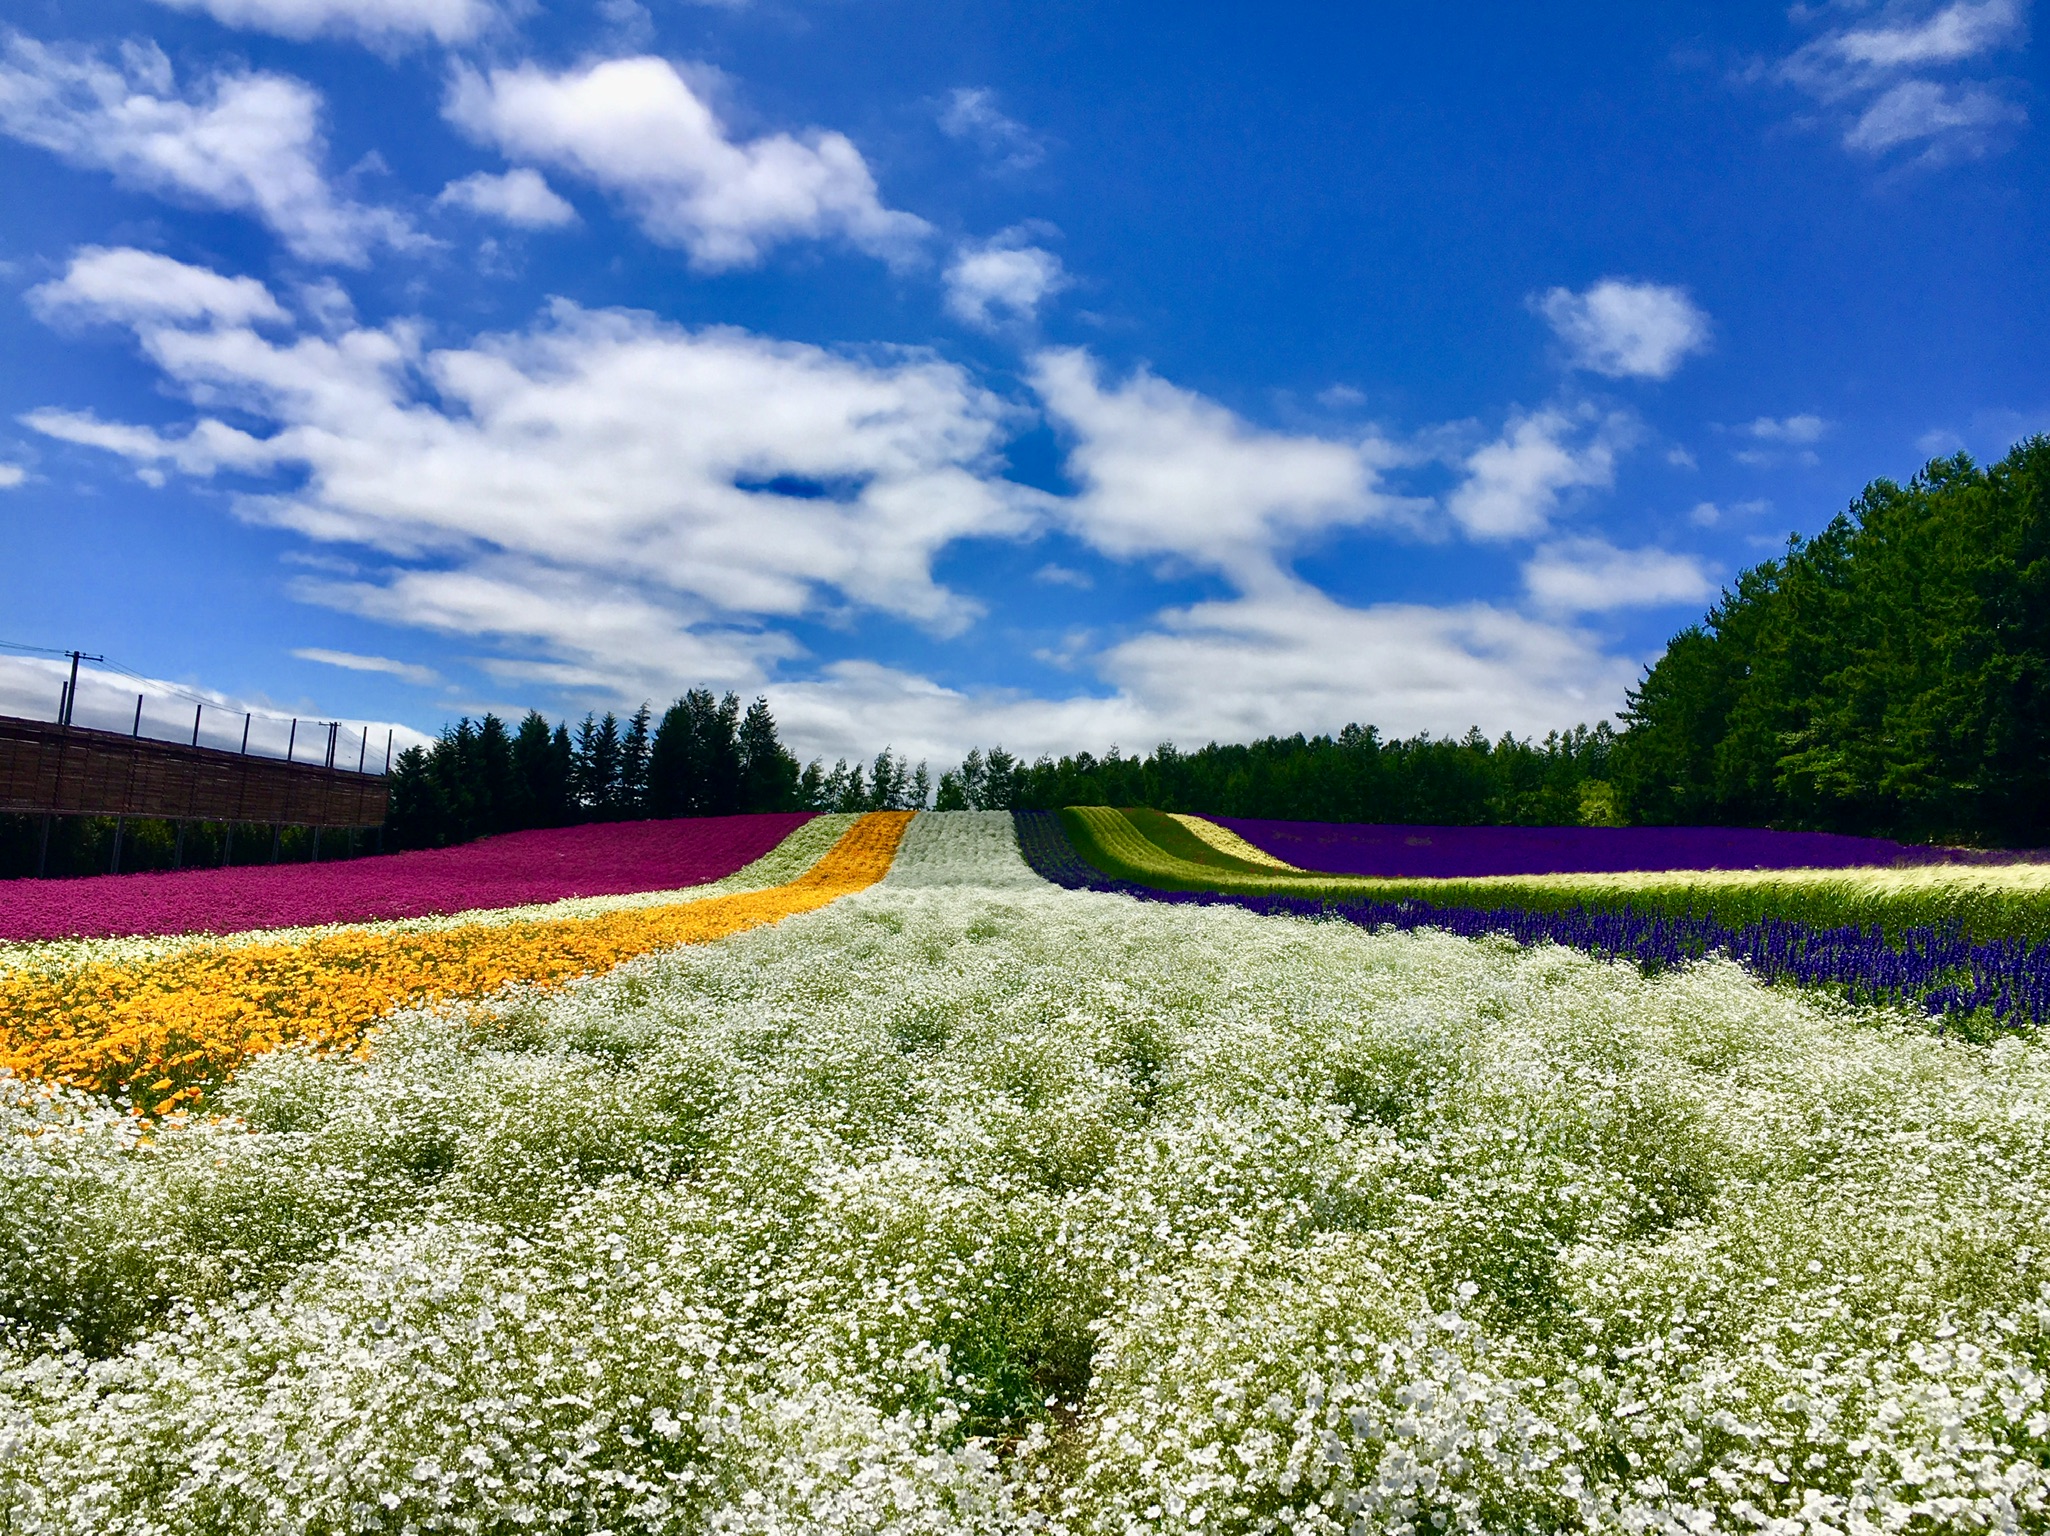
(637, 129)
(1293, 659)
(717, 468)
(247, 142)
(1164, 471)
(1903, 82)
(349, 661)
(1288, 659)
(1513, 484)
(378, 22)
(131, 286)
(1625, 329)
(971, 114)
(1593, 576)
(520, 197)
(11, 475)
(617, 506)
(590, 632)
(1006, 278)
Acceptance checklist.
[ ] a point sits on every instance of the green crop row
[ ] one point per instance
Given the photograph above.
(1988, 901)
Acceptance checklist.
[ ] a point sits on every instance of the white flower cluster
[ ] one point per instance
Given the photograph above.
(956, 1210)
(955, 848)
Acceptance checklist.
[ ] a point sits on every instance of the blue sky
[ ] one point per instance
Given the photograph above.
(1050, 374)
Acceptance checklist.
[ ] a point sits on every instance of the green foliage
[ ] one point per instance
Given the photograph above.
(703, 759)
(1890, 676)
(1353, 776)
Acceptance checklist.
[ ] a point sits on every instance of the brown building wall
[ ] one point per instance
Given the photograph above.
(46, 768)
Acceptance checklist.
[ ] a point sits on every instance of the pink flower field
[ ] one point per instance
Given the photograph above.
(520, 868)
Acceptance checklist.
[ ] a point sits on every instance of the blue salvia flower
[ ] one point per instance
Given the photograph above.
(1940, 970)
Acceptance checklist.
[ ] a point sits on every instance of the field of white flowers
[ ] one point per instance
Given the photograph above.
(967, 1204)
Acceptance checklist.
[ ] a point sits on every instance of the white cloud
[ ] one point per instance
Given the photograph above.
(617, 507)
(636, 128)
(737, 475)
(1886, 83)
(11, 475)
(1959, 31)
(378, 22)
(971, 113)
(1593, 576)
(1513, 484)
(1005, 275)
(247, 142)
(1916, 110)
(1706, 514)
(1164, 471)
(1063, 576)
(349, 661)
(1802, 429)
(1287, 660)
(133, 286)
(520, 197)
(1624, 329)
(1293, 659)
(1785, 437)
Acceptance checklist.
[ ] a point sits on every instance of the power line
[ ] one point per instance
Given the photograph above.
(155, 684)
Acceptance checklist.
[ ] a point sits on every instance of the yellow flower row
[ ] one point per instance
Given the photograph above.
(1226, 841)
(164, 1029)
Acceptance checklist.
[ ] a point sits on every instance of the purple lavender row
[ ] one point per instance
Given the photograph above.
(1413, 852)
(1939, 970)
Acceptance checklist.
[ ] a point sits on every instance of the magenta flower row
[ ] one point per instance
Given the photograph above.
(514, 870)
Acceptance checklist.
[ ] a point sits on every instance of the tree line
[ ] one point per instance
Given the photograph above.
(1889, 676)
(703, 757)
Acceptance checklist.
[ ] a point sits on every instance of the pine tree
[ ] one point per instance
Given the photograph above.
(633, 765)
(769, 775)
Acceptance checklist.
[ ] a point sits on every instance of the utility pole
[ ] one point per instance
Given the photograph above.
(66, 706)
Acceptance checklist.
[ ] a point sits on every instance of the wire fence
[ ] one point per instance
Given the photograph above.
(90, 692)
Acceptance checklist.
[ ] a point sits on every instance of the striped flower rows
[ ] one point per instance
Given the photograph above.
(162, 1031)
(1998, 983)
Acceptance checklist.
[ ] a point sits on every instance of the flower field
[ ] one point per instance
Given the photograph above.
(162, 1029)
(936, 1197)
(1968, 943)
(954, 1201)
(518, 869)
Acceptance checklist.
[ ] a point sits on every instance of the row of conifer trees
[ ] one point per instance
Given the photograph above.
(704, 756)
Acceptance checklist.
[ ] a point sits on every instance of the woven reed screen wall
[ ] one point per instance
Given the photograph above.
(47, 768)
